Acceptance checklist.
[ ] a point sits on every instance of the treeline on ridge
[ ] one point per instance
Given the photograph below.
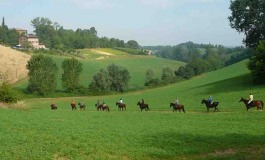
(200, 58)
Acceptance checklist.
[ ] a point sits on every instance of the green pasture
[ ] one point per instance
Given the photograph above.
(136, 65)
(32, 131)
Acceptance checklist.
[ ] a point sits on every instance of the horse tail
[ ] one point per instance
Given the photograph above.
(262, 104)
(183, 109)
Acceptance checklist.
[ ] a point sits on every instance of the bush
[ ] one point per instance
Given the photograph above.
(8, 94)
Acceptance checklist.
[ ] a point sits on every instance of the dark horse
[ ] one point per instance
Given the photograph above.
(178, 107)
(73, 105)
(209, 105)
(53, 107)
(255, 103)
(121, 106)
(143, 106)
(82, 106)
(101, 107)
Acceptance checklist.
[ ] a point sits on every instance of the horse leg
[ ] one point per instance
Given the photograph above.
(183, 110)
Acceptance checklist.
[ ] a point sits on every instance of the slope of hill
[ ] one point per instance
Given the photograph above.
(13, 64)
(96, 59)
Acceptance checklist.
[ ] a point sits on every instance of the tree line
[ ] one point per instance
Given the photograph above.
(8, 36)
(54, 36)
(200, 58)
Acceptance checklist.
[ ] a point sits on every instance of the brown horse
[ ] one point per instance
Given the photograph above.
(82, 106)
(143, 106)
(121, 106)
(101, 107)
(255, 103)
(73, 105)
(179, 107)
(210, 105)
(53, 107)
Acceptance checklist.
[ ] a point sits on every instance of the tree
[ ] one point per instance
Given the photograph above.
(119, 76)
(71, 72)
(132, 44)
(248, 16)
(167, 75)
(150, 78)
(7, 93)
(100, 83)
(257, 64)
(42, 74)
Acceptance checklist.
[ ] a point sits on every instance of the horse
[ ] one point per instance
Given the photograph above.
(82, 106)
(255, 103)
(179, 107)
(53, 107)
(101, 107)
(121, 106)
(143, 106)
(73, 105)
(210, 105)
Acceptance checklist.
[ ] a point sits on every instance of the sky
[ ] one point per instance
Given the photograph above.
(149, 22)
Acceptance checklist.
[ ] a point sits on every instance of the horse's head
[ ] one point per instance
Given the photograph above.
(241, 100)
(138, 103)
(203, 101)
(117, 103)
(171, 104)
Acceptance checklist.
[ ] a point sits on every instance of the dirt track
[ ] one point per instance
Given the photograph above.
(12, 64)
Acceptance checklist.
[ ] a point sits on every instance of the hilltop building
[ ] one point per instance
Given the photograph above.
(29, 38)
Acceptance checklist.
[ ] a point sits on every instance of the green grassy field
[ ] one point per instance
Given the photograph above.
(33, 131)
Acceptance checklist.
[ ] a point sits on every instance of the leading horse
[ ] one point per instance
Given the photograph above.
(210, 105)
(179, 107)
(255, 103)
(143, 106)
(121, 106)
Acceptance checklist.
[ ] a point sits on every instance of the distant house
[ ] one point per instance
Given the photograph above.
(32, 39)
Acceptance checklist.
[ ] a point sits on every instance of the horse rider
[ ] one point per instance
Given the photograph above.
(142, 101)
(98, 103)
(81, 103)
(121, 102)
(250, 98)
(210, 100)
(53, 105)
(103, 103)
(72, 103)
(176, 102)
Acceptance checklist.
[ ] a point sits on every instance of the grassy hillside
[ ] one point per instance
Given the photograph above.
(96, 59)
(36, 132)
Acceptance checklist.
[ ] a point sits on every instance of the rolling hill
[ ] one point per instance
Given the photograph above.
(13, 64)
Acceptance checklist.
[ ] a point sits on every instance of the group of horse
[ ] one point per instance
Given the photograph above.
(255, 103)
(121, 106)
(179, 107)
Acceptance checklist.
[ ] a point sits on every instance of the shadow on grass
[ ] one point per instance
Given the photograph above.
(228, 85)
(171, 145)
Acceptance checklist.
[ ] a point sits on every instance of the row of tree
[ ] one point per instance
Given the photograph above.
(55, 36)
(8, 36)
(43, 79)
(201, 58)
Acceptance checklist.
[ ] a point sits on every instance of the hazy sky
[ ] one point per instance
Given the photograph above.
(149, 22)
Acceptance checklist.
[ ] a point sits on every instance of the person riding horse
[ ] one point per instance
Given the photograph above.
(53, 106)
(251, 97)
(176, 103)
(210, 100)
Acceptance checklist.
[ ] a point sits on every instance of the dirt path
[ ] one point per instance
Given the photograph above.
(12, 64)
(102, 52)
